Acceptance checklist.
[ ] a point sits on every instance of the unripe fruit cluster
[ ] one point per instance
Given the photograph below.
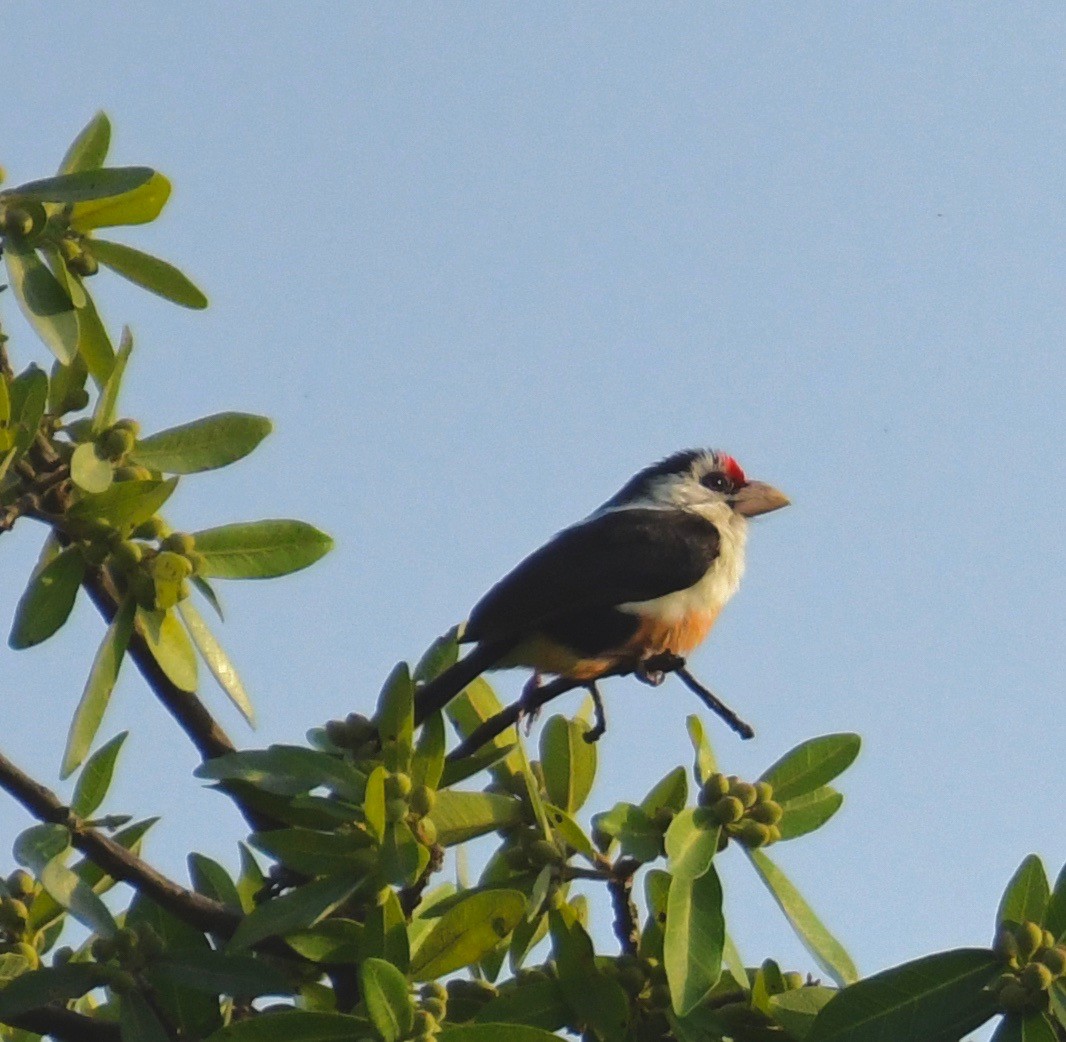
(117, 442)
(159, 578)
(77, 258)
(131, 948)
(354, 734)
(432, 1009)
(746, 811)
(1035, 962)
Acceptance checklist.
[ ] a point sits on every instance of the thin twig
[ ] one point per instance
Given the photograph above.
(620, 887)
(118, 862)
(715, 704)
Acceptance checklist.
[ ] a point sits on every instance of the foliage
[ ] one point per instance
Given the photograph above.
(331, 927)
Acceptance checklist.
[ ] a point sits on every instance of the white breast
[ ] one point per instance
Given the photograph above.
(720, 582)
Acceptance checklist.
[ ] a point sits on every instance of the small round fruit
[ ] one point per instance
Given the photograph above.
(1054, 959)
(426, 831)
(752, 834)
(422, 800)
(728, 810)
(398, 786)
(1036, 976)
(395, 809)
(179, 542)
(16, 222)
(713, 789)
(764, 791)
(154, 528)
(84, 264)
(745, 792)
(1029, 937)
(115, 443)
(769, 813)
(793, 981)
(20, 883)
(127, 555)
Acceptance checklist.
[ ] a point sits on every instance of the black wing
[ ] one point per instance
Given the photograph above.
(625, 555)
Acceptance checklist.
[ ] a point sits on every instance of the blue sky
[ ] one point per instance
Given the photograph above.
(482, 262)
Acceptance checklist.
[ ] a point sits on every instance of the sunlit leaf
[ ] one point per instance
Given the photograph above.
(95, 777)
(214, 441)
(84, 184)
(694, 937)
(260, 549)
(89, 471)
(470, 929)
(43, 301)
(89, 149)
(812, 764)
(1026, 896)
(803, 814)
(126, 503)
(47, 601)
(107, 402)
(216, 660)
(150, 272)
(140, 206)
(296, 910)
(568, 761)
(387, 998)
(460, 816)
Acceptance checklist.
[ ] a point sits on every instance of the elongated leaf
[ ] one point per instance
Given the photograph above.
(64, 381)
(692, 841)
(568, 761)
(427, 764)
(1055, 916)
(95, 777)
(639, 836)
(43, 301)
(944, 993)
(309, 850)
(460, 816)
(215, 441)
(826, 949)
(260, 549)
(387, 998)
(594, 999)
(287, 770)
(395, 719)
(534, 1003)
(84, 184)
(812, 764)
(812, 810)
(155, 275)
(385, 933)
(212, 880)
(669, 793)
(296, 910)
(1027, 893)
(140, 206)
(28, 399)
(441, 654)
(469, 930)
(694, 937)
(333, 940)
(125, 504)
(475, 704)
(215, 973)
(107, 402)
(89, 149)
(571, 832)
(138, 1021)
(705, 764)
(94, 344)
(216, 660)
(796, 1010)
(39, 988)
(170, 646)
(489, 756)
(48, 599)
(495, 1033)
(98, 688)
(299, 1025)
(73, 894)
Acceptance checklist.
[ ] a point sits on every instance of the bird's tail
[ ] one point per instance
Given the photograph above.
(441, 690)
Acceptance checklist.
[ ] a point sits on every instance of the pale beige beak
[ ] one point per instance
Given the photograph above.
(756, 497)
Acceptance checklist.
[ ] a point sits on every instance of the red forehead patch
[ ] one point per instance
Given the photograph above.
(733, 470)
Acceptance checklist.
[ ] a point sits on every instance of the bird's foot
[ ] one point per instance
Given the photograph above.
(596, 732)
(653, 670)
(528, 708)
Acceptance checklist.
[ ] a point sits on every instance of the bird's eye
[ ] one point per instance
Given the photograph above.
(716, 481)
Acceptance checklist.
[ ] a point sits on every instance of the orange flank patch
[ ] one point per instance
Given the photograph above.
(680, 636)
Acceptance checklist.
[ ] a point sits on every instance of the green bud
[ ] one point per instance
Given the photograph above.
(395, 809)
(712, 790)
(775, 834)
(69, 248)
(197, 561)
(16, 222)
(1054, 959)
(168, 566)
(1013, 998)
(543, 852)
(728, 810)
(76, 400)
(764, 791)
(433, 990)
(179, 542)
(21, 884)
(793, 981)
(426, 831)
(422, 801)
(1005, 945)
(1036, 976)
(337, 733)
(752, 834)
(1029, 937)
(436, 1008)
(115, 443)
(397, 786)
(126, 424)
(153, 528)
(769, 813)
(745, 792)
(127, 555)
(84, 264)
(1049, 939)
(14, 914)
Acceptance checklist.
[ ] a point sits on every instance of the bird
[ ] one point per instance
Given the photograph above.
(643, 576)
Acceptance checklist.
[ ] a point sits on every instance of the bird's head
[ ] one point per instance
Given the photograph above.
(698, 478)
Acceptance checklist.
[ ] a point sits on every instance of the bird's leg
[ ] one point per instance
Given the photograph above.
(529, 707)
(595, 733)
(653, 670)
(715, 704)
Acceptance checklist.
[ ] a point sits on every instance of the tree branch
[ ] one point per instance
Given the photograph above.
(66, 1025)
(118, 862)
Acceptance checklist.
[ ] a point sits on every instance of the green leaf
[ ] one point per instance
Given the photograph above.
(461, 816)
(287, 770)
(808, 812)
(43, 301)
(439, 656)
(531, 1003)
(88, 471)
(94, 344)
(1027, 893)
(495, 1033)
(333, 940)
(216, 660)
(694, 937)
(28, 400)
(47, 601)
(39, 988)
(639, 836)
(1057, 997)
(403, 858)
(569, 762)
(1036, 1027)
(212, 880)
(260, 549)
(98, 688)
(107, 402)
(95, 777)
(326, 853)
(296, 910)
(125, 504)
(475, 704)
(486, 758)
(705, 764)
(388, 999)
(796, 1010)
(467, 931)
(570, 831)
(812, 764)
(206, 444)
(84, 184)
(215, 973)
(89, 149)
(385, 933)
(5, 404)
(427, 764)
(826, 949)
(298, 1025)
(656, 894)
(140, 206)
(395, 719)
(692, 841)
(170, 646)
(1055, 916)
(155, 275)
(670, 793)
(62, 884)
(944, 993)
(137, 1020)
(64, 381)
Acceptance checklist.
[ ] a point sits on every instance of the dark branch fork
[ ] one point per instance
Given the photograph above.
(651, 671)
